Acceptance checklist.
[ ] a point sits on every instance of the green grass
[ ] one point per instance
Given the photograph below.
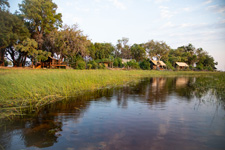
(34, 88)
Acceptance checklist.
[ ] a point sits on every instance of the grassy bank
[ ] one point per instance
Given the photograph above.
(34, 88)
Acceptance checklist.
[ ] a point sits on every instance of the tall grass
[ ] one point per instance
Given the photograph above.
(33, 88)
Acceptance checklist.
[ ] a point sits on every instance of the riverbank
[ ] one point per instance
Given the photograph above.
(35, 88)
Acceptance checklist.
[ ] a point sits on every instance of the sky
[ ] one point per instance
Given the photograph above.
(176, 22)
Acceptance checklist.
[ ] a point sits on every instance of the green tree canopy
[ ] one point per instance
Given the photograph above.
(157, 49)
(68, 42)
(30, 48)
(41, 18)
(12, 31)
(138, 52)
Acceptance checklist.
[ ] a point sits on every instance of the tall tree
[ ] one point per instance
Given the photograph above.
(138, 52)
(190, 53)
(12, 31)
(4, 4)
(123, 48)
(41, 18)
(30, 49)
(68, 42)
(157, 49)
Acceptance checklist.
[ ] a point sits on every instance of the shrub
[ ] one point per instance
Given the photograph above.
(93, 64)
(199, 66)
(133, 64)
(100, 66)
(80, 64)
(169, 66)
(209, 68)
(118, 62)
(89, 66)
(115, 63)
(145, 65)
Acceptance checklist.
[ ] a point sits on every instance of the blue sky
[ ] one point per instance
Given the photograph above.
(177, 22)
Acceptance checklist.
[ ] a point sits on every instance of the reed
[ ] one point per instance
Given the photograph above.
(35, 88)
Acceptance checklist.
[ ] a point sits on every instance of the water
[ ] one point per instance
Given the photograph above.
(156, 114)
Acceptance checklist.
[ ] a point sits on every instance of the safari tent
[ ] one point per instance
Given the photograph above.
(181, 65)
(160, 64)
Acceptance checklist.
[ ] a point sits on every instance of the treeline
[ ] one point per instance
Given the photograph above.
(35, 32)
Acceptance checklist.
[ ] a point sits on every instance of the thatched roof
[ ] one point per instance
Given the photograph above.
(155, 62)
(182, 64)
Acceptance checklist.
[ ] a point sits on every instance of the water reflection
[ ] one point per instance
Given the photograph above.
(156, 113)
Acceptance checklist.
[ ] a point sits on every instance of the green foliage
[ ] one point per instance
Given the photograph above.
(200, 66)
(123, 49)
(80, 64)
(138, 52)
(100, 66)
(4, 4)
(133, 64)
(29, 46)
(12, 31)
(89, 66)
(145, 65)
(101, 50)
(169, 65)
(118, 62)
(115, 63)
(157, 49)
(68, 42)
(93, 64)
(41, 18)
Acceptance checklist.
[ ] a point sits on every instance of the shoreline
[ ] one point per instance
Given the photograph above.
(32, 89)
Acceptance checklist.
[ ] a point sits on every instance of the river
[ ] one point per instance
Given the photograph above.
(153, 114)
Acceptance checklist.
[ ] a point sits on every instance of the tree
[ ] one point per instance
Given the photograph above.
(157, 49)
(4, 4)
(138, 52)
(190, 54)
(29, 47)
(145, 65)
(41, 18)
(123, 49)
(12, 31)
(68, 43)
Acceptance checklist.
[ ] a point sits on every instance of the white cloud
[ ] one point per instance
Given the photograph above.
(161, 1)
(188, 9)
(166, 13)
(118, 4)
(208, 2)
(97, 1)
(217, 9)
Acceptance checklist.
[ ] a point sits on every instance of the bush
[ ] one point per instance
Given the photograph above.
(89, 66)
(209, 68)
(133, 64)
(145, 65)
(169, 66)
(115, 63)
(100, 66)
(199, 66)
(118, 62)
(80, 64)
(93, 64)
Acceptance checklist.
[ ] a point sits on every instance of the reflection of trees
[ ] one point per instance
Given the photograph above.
(42, 129)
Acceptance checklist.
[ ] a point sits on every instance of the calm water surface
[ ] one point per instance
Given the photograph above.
(154, 114)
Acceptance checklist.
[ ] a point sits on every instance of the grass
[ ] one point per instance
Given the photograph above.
(34, 88)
